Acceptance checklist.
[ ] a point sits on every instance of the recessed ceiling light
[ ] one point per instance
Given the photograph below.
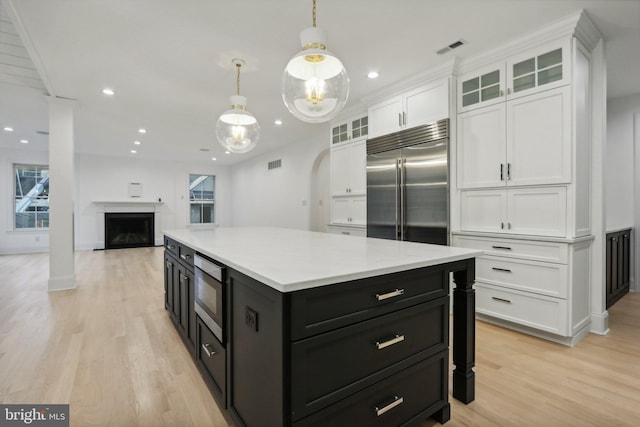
(278, 122)
(137, 142)
(133, 151)
(108, 91)
(213, 158)
(142, 130)
(372, 75)
(227, 152)
(8, 129)
(24, 141)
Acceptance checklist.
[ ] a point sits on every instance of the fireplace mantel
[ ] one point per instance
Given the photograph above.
(126, 202)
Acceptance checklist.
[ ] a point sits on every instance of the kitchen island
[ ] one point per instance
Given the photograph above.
(327, 330)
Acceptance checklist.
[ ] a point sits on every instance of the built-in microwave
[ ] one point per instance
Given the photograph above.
(210, 294)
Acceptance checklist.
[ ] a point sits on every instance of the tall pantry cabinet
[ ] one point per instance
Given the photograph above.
(523, 174)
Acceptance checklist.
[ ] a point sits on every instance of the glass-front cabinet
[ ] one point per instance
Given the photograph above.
(544, 68)
(354, 128)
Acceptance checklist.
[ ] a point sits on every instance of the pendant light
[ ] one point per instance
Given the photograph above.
(237, 129)
(315, 85)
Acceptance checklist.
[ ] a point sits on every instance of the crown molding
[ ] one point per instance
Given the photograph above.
(436, 73)
(578, 24)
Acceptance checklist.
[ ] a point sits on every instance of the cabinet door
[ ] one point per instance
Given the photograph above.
(539, 138)
(426, 104)
(482, 147)
(340, 210)
(340, 170)
(169, 280)
(385, 117)
(544, 68)
(358, 210)
(186, 317)
(358, 167)
(339, 133)
(484, 210)
(359, 127)
(481, 88)
(537, 211)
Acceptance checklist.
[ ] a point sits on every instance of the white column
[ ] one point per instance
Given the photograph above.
(62, 273)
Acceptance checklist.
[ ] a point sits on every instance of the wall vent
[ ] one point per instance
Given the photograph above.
(451, 46)
(274, 164)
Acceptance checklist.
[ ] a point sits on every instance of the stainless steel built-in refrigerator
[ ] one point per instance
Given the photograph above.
(407, 185)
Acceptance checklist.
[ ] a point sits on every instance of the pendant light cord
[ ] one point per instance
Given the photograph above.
(314, 13)
(238, 79)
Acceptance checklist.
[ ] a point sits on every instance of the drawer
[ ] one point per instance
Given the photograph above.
(171, 246)
(347, 231)
(323, 309)
(331, 366)
(409, 396)
(530, 249)
(539, 277)
(536, 311)
(186, 255)
(211, 358)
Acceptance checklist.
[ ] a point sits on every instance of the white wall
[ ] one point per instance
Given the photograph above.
(102, 178)
(280, 197)
(622, 156)
(619, 162)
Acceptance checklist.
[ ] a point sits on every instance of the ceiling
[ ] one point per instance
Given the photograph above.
(169, 61)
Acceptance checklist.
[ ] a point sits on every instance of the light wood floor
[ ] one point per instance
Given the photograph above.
(109, 349)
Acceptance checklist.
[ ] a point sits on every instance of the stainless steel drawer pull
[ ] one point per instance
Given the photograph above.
(392, 341)
(397, 292)
(168, 264)
(171, 247)
(396, 401)
(506, 270)
(206, 348)
(506, 248)
(501, 300)
(185, 256)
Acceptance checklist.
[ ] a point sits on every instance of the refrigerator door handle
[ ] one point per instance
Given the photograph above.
(398, 197)
(402, 166)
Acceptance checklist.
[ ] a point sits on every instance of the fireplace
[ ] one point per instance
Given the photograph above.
(128, 229)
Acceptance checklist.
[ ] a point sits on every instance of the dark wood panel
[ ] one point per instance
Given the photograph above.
(618, 265)
(331, 366)
(211, 358)
(330, 307)
(257, 354)
(422, 388)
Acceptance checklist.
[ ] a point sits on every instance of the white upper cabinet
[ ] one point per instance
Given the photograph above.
(352, 129)
(525, 141)
(482, 147)
(419, 106)
(539, 138)
(481, 87)
(349, 169)
(543, 68)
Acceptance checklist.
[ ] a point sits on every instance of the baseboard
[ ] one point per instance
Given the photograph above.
(62, 283)
(568, 341)
(600, 323)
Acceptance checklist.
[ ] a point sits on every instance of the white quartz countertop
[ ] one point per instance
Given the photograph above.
(289, 260)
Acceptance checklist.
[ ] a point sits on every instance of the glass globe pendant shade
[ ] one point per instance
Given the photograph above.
(237, 129)
(315, 84)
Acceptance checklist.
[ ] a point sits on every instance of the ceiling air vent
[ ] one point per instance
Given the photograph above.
(451, 47)
(274, 164)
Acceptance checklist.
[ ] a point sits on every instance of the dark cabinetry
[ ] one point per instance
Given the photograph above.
(366, 352)
(618, 265)
(179, 289)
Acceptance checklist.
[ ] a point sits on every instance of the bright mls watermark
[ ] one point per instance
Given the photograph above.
(34, 415)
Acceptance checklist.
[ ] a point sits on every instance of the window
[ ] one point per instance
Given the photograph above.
(31, 196)
(202, 198)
